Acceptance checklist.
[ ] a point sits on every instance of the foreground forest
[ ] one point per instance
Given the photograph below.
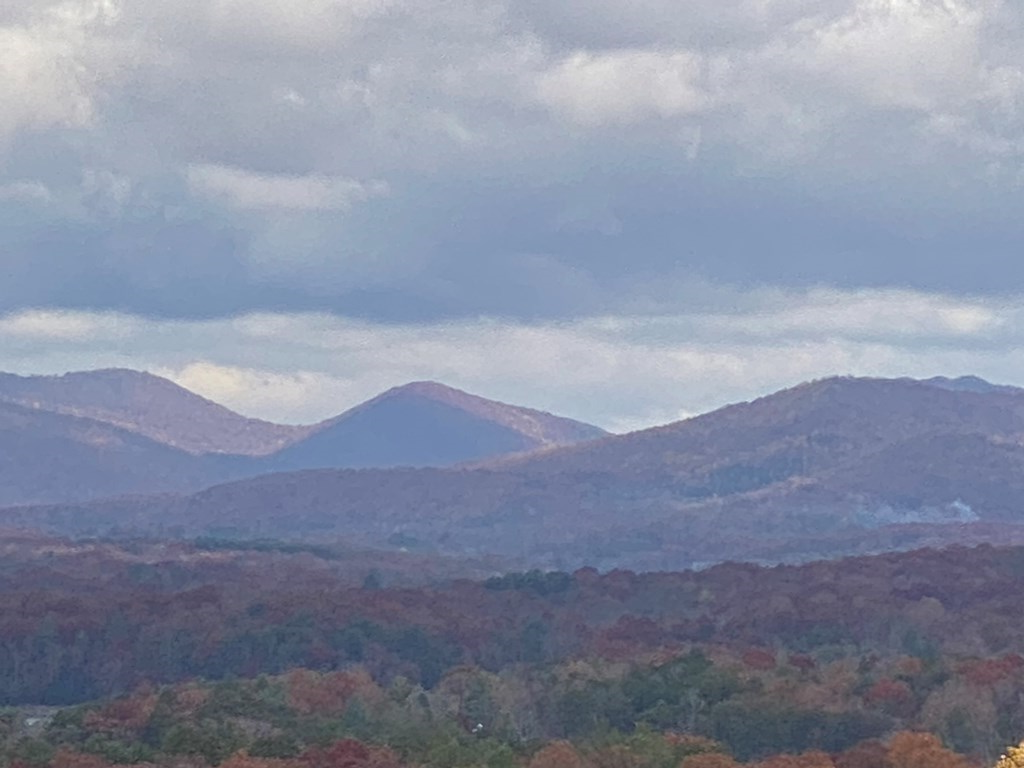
(694, 709)
(279, 656)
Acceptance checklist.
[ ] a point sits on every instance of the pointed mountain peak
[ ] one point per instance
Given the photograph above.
(434, 390)
(540, 427)
(426, 423)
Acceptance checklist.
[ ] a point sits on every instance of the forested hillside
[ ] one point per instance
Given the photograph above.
(759, 661)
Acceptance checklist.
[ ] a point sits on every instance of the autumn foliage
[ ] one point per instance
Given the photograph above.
(709, 760)
(899, 661)
(558, 754)
(349, 753)
(310, 692)
(922, 750)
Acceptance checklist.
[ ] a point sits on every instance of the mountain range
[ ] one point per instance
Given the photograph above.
(828, 468)
(94, 434)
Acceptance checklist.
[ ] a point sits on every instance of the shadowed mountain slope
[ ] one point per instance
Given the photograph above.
(427, 424)
(47, 456)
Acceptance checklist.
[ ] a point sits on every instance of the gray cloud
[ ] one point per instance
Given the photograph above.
(409, 162)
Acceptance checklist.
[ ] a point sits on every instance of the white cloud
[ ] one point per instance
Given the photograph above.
(908, 54)
(624, 86)
(883, 86)
(41, 325)
(252, 390)
(25, 192)
(247, 190)
(42, 81)
(871, 314)
(371, 83)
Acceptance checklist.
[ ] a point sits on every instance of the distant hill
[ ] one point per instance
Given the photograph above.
(831, 467)
(150, 406)
(426, 424)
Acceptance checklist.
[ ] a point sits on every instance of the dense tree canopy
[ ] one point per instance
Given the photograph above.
(273, 661)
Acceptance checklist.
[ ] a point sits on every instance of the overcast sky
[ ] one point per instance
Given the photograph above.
(624, 211)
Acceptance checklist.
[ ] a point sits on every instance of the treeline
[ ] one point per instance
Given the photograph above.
(691, 710)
